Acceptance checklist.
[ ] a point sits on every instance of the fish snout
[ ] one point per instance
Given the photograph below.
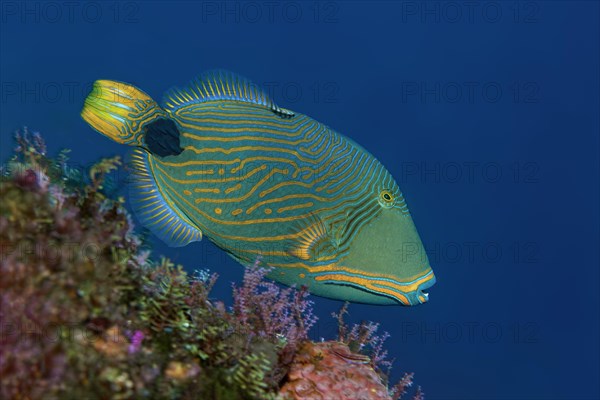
(421, 295)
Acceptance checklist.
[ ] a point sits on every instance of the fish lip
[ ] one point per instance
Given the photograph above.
(421, 295)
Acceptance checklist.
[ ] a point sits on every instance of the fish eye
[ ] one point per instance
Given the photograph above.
(386, 198)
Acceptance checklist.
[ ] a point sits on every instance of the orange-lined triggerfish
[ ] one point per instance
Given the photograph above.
(220, 158)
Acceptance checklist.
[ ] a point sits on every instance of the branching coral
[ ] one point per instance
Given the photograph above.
(363, 339)
(263, 309)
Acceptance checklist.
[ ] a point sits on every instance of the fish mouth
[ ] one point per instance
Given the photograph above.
(421, 295)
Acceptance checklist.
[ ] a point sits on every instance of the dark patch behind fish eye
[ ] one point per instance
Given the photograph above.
(162, 138)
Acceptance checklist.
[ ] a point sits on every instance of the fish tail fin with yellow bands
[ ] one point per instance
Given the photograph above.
(120, 111)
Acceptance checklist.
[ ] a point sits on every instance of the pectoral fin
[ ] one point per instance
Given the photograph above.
(315, 241)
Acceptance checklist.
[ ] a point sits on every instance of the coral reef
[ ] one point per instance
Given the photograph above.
(85, 312)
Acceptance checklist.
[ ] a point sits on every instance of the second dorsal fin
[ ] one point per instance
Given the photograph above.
(221, 85)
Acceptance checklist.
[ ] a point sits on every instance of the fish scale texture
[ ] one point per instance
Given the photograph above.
(330, 371)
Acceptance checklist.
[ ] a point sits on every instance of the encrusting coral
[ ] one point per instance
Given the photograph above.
(323, 369)
(86, 313)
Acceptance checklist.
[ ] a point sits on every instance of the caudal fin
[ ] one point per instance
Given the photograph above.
(120, 111)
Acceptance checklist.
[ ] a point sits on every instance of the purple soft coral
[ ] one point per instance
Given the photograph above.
(136, 342)
(264, 309)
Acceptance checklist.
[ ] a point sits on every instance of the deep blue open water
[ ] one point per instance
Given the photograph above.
(486, 113)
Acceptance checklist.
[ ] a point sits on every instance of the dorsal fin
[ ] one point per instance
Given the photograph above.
(221, 85)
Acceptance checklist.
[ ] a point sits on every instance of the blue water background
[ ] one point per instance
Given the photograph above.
(487, 115)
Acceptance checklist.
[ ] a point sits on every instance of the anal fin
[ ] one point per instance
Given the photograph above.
(153, 210)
